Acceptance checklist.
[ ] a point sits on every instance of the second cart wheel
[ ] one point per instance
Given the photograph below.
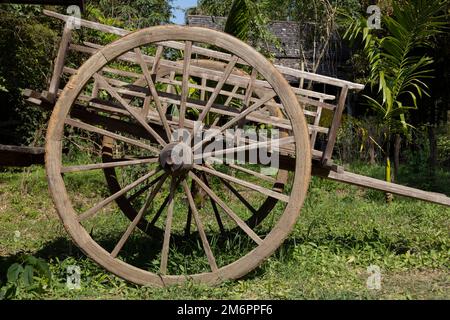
(146, 121)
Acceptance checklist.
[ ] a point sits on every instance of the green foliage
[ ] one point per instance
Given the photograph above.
(238, 20)
(397, 73)
(32, 275)
(26, 45)
(396, 70)
(132, 15)
(443, 144)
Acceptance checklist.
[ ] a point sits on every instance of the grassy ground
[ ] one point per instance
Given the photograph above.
(342, 231)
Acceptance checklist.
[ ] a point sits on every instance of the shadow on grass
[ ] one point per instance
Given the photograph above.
(186, 253)
(144, 252)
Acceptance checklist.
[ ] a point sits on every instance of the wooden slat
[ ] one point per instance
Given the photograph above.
(152, 88)
(316, 123)
(214, 54)
(203, 89)
(105, 165)
(326, 157)
(59, 61)
(84, 126)
(372, 183)
(319, 78)
(185, 85)
(102, 81)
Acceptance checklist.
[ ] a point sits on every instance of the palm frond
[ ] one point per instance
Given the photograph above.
(238, 21)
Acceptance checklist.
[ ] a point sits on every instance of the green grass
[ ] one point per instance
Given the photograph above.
(341, 231)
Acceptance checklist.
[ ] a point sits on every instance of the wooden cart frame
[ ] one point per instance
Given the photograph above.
(235, 86)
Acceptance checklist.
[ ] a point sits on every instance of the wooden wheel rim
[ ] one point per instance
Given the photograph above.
(158, 34)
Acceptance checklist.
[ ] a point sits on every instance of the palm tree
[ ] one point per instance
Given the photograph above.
(238, 20)
(396, 68)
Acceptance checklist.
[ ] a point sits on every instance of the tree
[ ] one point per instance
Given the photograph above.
(26, 45)
(133, 14)
(398, 66)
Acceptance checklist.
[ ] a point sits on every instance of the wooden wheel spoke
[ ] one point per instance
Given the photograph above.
(226, 104)
(251, 146)
(89, 213)
(248, 171)
(161, 208)
(185, 82)
(251, 172)
(265, 191)
(239, 196)
(88, 127)
(158, 56)
(201, 230)
(151, 85)
(158, 213)
(236, 119)
(215, 209)
(247, 111)
(146, 106)
(144, 188)
(250, 87)
(228, 211)
(112, 164)
(104, 84)
(234, 191)
(168, 228)
(138, 217)
(218, 88)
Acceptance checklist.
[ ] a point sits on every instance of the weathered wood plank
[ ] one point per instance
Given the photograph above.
(372, 183)
(20, 156)
(59, 62)
(211, 53)
(326, 158)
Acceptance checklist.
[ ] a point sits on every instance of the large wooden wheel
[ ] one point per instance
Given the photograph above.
(138, 122)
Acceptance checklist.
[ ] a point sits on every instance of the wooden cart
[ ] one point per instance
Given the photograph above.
(132, 96)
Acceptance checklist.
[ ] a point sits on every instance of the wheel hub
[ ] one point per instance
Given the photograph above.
(176, 158)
